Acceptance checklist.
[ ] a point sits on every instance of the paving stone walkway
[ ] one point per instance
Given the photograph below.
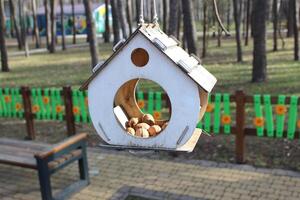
(115, 175)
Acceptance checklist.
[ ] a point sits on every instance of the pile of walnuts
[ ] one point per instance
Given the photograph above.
(144, 127)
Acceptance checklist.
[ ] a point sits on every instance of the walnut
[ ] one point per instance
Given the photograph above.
(149, 119)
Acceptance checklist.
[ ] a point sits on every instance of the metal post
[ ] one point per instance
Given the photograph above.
(69, 115)
(28, 113)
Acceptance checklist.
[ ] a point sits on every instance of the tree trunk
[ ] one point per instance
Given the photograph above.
(137, 8)
(73, 21)
(47, 16)
(204, 43)
(4, 57)
(228, 15)
(122, 17)
(179, 18)
(116, 24)
(275, 24)
(290, 19)
(173, 19)
(36, 27)
(237, 21)
(219, 37)
(247, 22)
(63, 42)
(23, 25)
(296, 31)
(53, 26)
(129, 15)
(15, 24)
(259, 17)
(165, 14)
(91, 31)
(189, 26)
(107, 28)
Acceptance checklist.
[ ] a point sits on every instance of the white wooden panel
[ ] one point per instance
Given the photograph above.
(205, 79)
(182, 91)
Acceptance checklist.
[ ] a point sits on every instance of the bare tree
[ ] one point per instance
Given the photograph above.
(35, 28)
(275, 24)
(174, 17)
(4, 57)
(259, 17)
(247, 22)
(73, 21)
(107, 28)
(23, 24)
(189, 26)
(53, 26)
(47, 16)
(237, 20)
(129, 15)
(116, 24)
(165, 14)
(296, 30)
(122, 17)
(63, 42)
(205, 23)
(228, 15)
(137, 8)
(290, 18)
(91, 31)
(15, 24)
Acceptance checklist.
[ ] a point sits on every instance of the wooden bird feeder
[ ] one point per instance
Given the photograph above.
(149, 54)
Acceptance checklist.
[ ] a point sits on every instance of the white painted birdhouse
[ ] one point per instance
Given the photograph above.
(149, 54)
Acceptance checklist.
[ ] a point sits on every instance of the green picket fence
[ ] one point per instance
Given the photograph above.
(269, 119)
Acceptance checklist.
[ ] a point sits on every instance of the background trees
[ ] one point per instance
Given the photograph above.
(259, 16)
(4, 59)
(91, 32)
(190, 21)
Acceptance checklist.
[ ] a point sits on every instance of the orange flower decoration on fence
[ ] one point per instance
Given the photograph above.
(35, 108)
(258, 121)
(156, 115)
(46, 100)
(7, 99)
(280, 109)
(226, 119)
(59, 109)
(141, 103)
(209, 108)
(298, 123)
(76, 110)
(18, 106)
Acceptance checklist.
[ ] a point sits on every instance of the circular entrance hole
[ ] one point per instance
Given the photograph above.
(142, 108)
(139, 57)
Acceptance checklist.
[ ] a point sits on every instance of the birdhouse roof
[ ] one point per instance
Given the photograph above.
(169, 46)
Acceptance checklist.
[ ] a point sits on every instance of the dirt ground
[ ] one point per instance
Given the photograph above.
(262, 152)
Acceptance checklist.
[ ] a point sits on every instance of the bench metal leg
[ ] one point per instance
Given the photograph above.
(83, 166)
(44, 178)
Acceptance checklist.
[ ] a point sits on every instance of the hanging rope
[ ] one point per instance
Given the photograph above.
(219, 19)
(141, 17)
(155, 17)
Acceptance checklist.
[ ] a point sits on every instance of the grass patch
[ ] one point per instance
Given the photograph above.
(72, 67)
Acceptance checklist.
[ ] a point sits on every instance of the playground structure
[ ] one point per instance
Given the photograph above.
(80, 21)
(225, 113)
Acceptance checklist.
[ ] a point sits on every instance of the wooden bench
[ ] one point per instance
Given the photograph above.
(48, 159)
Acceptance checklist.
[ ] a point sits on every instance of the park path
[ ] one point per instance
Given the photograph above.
(114, 175)
(45, 50)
